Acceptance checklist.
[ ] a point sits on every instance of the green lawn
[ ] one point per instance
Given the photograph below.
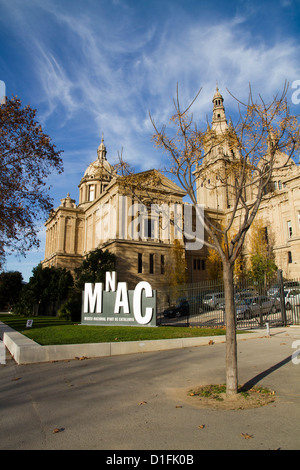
(51, 330)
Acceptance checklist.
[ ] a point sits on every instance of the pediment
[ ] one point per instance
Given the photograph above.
(151, 181)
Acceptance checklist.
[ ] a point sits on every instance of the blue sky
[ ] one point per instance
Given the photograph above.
(99, 66)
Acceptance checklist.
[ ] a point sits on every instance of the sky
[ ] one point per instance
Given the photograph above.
(93, 67)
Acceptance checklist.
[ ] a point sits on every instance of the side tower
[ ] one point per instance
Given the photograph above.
(215, 183)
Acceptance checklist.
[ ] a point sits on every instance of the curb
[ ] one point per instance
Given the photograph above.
(27, 351)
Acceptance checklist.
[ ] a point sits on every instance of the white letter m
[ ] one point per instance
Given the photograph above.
(93, 299)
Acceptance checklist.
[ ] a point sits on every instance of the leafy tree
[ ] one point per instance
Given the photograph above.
(10, 288)
(50, 284)
(262, 269)
(25, 304)
(46, 288)
(214, 260)
(176, 269)
(262, 263)
(94, 267)
(214, 265)
(27, 158)
(240, 270)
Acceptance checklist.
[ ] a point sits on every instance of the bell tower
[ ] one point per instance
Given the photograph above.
(219, 121)
(212, 185)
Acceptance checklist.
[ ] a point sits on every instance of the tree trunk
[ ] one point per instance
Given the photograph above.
(231, 345)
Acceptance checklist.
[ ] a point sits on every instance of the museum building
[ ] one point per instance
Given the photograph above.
(111, 217)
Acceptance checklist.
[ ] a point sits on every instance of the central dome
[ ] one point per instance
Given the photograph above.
(96, 178)
(100, 168)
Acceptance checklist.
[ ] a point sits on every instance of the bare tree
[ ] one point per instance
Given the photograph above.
(240, 161)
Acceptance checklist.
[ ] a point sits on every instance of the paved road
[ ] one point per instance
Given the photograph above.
(137, 402)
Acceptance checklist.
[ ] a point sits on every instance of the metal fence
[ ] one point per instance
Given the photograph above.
(276, 303)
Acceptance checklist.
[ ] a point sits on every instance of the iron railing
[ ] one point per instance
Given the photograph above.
(275, 303)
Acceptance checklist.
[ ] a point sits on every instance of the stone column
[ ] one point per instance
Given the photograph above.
(61, 234)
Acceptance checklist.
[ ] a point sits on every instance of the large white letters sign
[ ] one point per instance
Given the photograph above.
(116, 305)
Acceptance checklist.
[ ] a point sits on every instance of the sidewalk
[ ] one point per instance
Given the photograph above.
(139, 401)
(26, 351)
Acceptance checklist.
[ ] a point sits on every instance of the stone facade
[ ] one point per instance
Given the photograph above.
(279, 211)
(104, 218)
(110, 217)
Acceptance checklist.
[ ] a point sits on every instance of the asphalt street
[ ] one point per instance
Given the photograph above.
(139, 401)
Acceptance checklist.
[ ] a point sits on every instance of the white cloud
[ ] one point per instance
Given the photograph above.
(97, 70)
(115, 75)
(58, 87)
(222, 53)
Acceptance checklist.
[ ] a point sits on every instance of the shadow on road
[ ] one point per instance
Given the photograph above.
(248, 385)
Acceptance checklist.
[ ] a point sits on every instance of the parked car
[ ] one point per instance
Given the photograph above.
(290, 284)
(247, 291)
(291, 298)
(239, 297)
(253, 307)
(274, 290)
(181, 309)
(213, 300)
(247, 294)
(195, 304)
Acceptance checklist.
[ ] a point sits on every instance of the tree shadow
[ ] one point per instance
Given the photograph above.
(252, 382)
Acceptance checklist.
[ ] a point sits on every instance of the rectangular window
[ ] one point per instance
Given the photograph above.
(266, 235)
(91, 192)
(150, 227)
(290, 229)
(162, 264)
(140, 262)
(203, 265)
(290, 258)
(195, 264)
(147, 228)
(151, 264)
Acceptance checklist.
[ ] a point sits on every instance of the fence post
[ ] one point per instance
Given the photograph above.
(261, 320)
(282, 301)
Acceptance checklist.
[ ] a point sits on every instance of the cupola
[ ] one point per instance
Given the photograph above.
(96, 177)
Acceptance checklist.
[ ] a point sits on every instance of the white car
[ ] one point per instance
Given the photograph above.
(291, 298)
(287, 286)
(214, 300)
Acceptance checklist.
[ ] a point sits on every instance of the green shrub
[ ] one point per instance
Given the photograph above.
(71, 309)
